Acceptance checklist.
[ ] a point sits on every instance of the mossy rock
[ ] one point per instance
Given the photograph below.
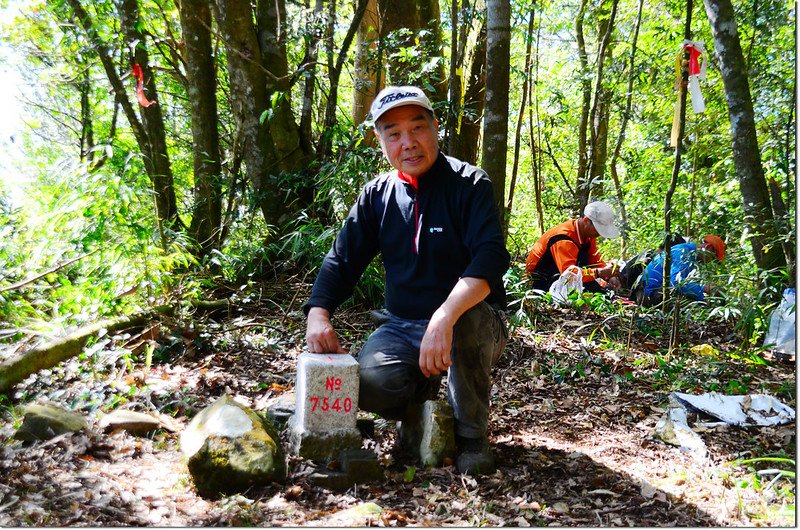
(230, 448)
(43, 421)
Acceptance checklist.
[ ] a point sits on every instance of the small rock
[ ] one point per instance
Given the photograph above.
(137, 423)
(366, 514)
(648, 491)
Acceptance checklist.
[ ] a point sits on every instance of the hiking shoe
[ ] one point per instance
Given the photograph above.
(475, 456)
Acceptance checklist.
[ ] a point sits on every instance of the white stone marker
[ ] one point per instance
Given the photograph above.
(326, 403)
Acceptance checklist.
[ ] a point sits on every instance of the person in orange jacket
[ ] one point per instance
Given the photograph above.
(574, 242)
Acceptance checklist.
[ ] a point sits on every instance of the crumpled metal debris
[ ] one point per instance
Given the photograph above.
(740, 411)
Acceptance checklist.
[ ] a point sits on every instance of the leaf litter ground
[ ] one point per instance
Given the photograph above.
(572, 417)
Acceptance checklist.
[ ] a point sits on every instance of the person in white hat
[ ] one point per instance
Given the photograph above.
(574, 242)
(435, 224)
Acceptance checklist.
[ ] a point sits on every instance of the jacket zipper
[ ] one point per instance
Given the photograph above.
(416, 224)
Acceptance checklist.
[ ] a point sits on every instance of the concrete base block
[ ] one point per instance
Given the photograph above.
(361, 464)
(332, 480)
(321, 446)
(356, 466)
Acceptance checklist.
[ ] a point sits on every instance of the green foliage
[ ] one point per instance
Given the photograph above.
(100, 219)
(105, 216)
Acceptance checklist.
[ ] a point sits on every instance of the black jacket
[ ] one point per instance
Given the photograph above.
(457, 229)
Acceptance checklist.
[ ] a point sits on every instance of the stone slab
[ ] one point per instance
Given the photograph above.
(137, 423)
(429, 433)
(361, 465)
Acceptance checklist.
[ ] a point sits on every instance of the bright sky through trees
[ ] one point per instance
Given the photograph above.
(10, 119)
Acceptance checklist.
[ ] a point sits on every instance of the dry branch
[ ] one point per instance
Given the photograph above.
(17, 368)
(14, 370)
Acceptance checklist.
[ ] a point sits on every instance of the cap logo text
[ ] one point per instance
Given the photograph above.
(394, 97)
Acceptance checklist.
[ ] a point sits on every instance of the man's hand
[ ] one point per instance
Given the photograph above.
(320, 335)
(434, 351)
(609, 271)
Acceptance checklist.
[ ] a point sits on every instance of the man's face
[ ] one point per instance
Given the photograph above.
(409, 138)
(706, 253)
(590, 230)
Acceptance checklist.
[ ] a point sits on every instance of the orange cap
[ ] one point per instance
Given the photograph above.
(717, 244)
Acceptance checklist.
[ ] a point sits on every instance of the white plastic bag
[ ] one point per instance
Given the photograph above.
(570, 280)
(781, 333)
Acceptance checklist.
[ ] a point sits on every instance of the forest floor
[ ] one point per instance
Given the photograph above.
(576, 397)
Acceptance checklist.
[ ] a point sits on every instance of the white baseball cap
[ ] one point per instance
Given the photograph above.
(602, 217)
(396, 96)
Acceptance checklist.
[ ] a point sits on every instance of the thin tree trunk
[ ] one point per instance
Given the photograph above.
(324, 150)
(495, 121)
(309, 73)
(456, 61)
(87, 130)
(465, 143)
(687, 35)
(624, 123)
(536, 140)
(161, 181)
(156, 157)
(600, 111)
(586, 102)
(520, 118)
(249, 102)
(746, 156)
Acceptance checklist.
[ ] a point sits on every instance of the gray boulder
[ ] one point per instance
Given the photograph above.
(43, 421)
(230, 448)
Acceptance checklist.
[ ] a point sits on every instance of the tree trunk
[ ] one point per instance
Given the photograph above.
(367, 71)
(746, 156)
(87, 130)
(600, 111)
(250, 101)
(495, 120)
(284, 131)
(308, 70)
(412, 17)
(161, 181)
(156, 158)
(202, 89)
(464, 143)
(458, 35)
(536, 135)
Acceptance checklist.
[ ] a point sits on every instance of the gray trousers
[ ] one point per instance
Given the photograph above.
(391, 380)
